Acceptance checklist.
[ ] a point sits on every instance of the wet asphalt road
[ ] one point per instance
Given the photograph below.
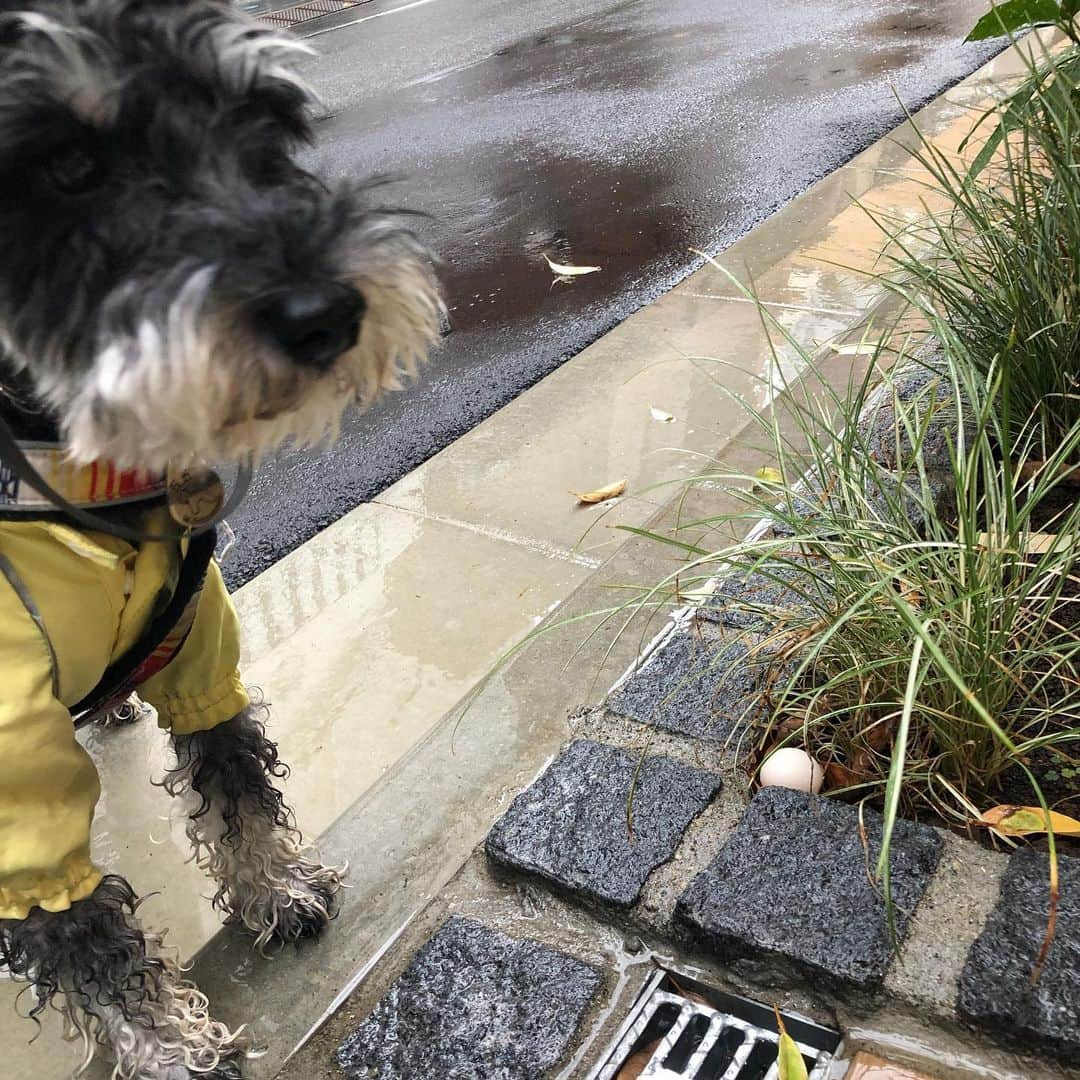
(615, 134)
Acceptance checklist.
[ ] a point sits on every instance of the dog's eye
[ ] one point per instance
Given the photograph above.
(74, 171)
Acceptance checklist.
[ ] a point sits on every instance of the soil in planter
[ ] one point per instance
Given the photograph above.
(1054, 506)
(1058, 779)
(1060, 783)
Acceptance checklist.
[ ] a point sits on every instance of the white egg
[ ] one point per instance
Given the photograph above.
(791, 767)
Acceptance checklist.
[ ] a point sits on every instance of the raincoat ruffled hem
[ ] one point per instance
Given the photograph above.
(77, 879)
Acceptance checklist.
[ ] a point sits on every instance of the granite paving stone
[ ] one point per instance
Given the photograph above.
(921, 383)
(759, 597)
(474, 1004)
(694, 686)
(570, 827)
(827, 516)
(925, 394)
(995, 985)
(792, 882)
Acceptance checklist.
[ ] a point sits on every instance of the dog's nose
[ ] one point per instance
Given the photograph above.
(313, 324)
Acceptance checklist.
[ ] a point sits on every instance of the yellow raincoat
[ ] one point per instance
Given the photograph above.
(93, 595)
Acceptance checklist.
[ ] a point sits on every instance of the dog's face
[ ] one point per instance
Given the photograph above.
(172, 284)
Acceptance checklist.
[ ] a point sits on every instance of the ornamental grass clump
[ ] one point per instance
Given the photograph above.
(924, 645)
(947, 653)
(1004, 263)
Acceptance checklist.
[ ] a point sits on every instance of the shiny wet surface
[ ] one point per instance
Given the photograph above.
(618, 135)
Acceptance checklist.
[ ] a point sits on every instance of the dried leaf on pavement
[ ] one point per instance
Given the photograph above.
(863, 348)
(661, 416)
(601, 494)
(563, 270)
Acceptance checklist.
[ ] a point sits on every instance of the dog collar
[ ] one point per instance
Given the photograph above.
(98, 486)
(198, 505)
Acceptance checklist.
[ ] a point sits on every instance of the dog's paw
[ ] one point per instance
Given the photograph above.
(226, 1070)
(170, 1034)
(312, 902)
(296, 906)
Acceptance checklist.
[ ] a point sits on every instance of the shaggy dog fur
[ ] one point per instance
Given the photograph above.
(175, 287)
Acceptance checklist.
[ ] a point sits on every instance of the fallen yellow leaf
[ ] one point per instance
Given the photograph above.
(563, 270)
(601, 494)
(769, 475)
(1025, 820)
(789, 1061)
(863, 348)
(1035, 543)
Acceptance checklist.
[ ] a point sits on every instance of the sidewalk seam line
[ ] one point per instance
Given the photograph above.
(492, 532)
(852, 313)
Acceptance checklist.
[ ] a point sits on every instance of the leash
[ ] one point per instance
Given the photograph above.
(11, 453)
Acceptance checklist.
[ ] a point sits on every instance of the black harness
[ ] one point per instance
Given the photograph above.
(159, 642)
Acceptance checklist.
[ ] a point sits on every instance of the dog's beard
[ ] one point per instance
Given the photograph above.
(187, 379)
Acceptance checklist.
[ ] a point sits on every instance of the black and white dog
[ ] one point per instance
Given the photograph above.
(173, 288)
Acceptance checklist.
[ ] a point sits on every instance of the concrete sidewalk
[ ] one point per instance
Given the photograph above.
(367, 639)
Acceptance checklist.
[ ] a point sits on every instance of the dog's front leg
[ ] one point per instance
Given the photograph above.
(108, 976)
(244, 835)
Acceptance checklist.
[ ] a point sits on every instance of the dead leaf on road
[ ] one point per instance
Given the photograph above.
(563, 270)
(601, 494)
(864, 348)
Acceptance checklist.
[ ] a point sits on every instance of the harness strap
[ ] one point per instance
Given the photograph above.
(14, 579)
(161, 640)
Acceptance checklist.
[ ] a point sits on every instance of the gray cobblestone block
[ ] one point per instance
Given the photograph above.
(571, 829)
(696, 687)
(792, 884)
(474, 1004)
(762, 599)
(995, 986)
(883, 491)
(923, 382)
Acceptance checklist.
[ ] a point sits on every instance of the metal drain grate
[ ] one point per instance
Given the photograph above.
(730, 1038)
(296, 14)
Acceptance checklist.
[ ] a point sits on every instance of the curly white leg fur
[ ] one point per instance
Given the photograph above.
(173, 1037)
(118, 990)
(267, 879)
(243, 834)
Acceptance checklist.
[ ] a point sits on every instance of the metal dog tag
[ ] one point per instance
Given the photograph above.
(195, 495)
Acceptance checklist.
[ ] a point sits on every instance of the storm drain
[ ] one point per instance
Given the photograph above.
(296, 14)
(680, 1028)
